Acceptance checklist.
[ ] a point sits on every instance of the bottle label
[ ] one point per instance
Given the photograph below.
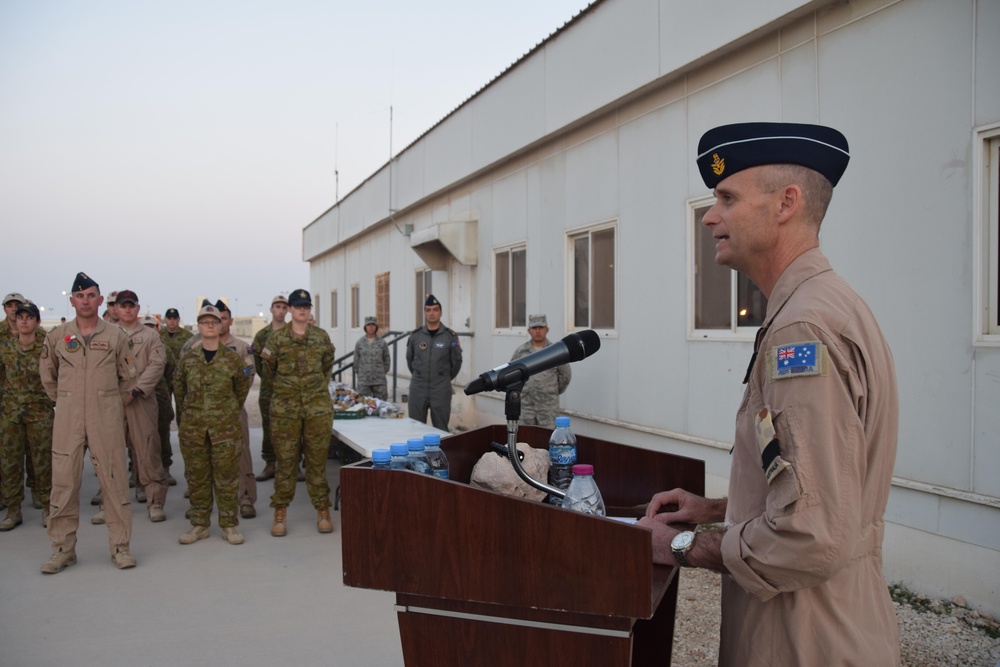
(562, 455)
(441, 472)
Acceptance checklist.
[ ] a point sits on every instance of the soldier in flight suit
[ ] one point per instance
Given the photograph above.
(86, 365)
(434, 357)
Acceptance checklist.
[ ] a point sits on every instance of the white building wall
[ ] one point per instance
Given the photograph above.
(600, 124)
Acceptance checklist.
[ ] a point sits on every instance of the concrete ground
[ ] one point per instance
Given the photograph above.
(270, 601)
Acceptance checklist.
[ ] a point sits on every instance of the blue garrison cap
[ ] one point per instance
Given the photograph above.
(726, 150)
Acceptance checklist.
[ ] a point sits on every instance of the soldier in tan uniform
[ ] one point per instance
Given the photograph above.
(247, 481)
(141, 428)
(801, 546)
(86, 365)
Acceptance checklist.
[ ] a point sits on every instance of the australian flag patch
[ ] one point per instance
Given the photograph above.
(797, 360)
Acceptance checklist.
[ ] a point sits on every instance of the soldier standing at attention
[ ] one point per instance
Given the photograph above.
(164, 408)
(540, 395)
(8, 331)
(279, 309)
(141, 428)
(211, 385)
(299, 359)
(27, 417)
(173, 336)
(86, 365)
(434, 357)
(372, 362)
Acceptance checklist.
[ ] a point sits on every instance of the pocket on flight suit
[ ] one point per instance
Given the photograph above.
(785, 490)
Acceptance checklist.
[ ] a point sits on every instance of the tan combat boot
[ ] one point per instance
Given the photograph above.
(232, 535)
(196, 533)
(267, 473)
(13, 520)
(59, 561)
(278, 528)
(323, 523)
(123, 560)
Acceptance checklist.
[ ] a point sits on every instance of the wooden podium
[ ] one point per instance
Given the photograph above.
(485, 579)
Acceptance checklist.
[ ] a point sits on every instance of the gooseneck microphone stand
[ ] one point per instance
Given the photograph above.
(512, 406)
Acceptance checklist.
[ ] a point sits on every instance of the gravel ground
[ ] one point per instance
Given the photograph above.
(932, 632)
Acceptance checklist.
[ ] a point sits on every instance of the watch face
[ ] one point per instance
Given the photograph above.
(682, 541)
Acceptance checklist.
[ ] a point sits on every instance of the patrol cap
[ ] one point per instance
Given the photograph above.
(82, 282)
(300, 297)
(279, 299)
(172, 312)
(726, 150)
(371, 320)
(150, 321)
(537, 321)
(432, 301)
(112, 299)
(210, 311)
(126, 296)
(14, 296)
(26, 307)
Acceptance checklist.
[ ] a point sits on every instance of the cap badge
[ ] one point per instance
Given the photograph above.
(718, 164)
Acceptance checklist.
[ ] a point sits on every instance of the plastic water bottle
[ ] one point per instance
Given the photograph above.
(399, 456)
(583, 495)
(418, 459)
(562, 456)
(381, 459)
(436, 458)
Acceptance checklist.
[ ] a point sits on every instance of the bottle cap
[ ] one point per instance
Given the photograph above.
(399, 449)
(583, 469)
(432, 439)
(381, 456)
(562, 422)
(415, 444)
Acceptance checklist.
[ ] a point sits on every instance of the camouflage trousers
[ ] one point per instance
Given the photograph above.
(379, 391)
(314, 434)
(32, 439)
(264, 402)
(164, 415)
(212, 466)
(532, 417)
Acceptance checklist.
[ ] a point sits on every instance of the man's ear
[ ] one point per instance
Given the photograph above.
(790, 202)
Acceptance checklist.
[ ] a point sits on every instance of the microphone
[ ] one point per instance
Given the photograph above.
(573, 347)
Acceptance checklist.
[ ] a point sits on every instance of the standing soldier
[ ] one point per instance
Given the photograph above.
(164, 408)
(371, 362)
(248, 484)
(279, 309)
(27, 417)
(113, 307)
(540, 395)
(8, 331)
(434, 357)
(299, 359)
(211, 386)
(141, 432)
(86, 365)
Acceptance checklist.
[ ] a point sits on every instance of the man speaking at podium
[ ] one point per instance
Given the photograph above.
(801, 545)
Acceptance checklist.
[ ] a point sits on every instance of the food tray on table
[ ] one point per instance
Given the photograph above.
(350, 414)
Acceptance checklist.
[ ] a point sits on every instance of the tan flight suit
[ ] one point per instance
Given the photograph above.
(804, 552)
(142, 431)
(248, 481)
(86, 378)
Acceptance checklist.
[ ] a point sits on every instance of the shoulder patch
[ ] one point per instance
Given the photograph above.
(797, 360)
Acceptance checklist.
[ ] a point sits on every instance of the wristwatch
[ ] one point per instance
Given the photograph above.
(681, 545)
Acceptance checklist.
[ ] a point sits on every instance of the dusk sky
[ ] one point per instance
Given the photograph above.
(179, 148)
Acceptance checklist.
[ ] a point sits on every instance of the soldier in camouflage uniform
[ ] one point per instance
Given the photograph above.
(540, 396)
(27, 416)
(279, 309)
(371, 362)
(299, 359)
(211, 385)
(8, 331)
(173, 336)
(165, 412)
